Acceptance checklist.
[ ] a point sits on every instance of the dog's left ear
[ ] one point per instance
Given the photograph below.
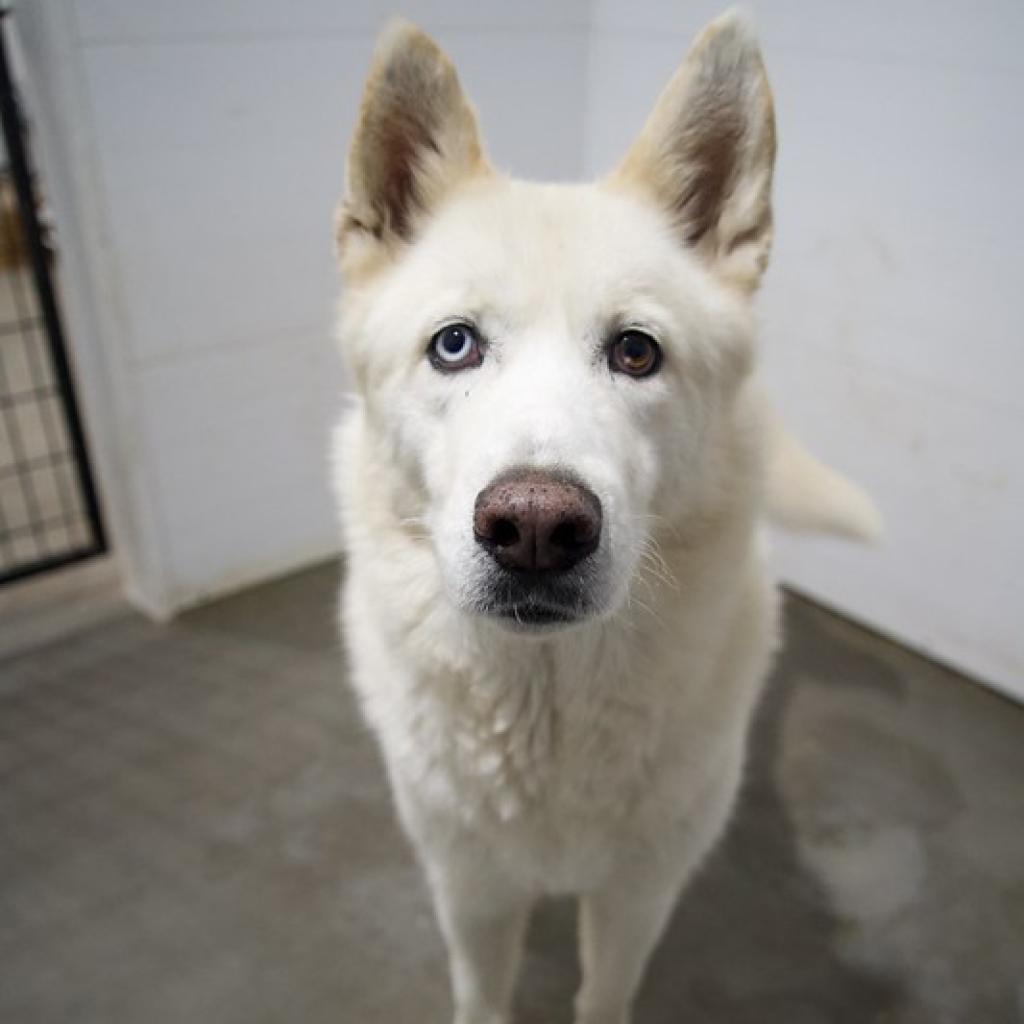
(415, 141)
(707, 152)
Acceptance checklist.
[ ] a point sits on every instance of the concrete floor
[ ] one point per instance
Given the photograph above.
(194, 827)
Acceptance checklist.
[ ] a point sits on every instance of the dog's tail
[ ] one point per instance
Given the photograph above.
(806, 496)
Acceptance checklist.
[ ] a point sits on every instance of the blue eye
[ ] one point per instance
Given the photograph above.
(455, 347)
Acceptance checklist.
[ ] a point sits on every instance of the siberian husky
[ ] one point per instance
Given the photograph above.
(552, 480)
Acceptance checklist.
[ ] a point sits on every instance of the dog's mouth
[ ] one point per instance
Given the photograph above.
(533, 616)
(537, 602)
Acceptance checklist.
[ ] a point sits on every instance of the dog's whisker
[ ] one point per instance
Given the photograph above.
(652, 562)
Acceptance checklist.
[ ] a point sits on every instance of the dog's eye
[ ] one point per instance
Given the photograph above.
(635, 353)
(455, 347)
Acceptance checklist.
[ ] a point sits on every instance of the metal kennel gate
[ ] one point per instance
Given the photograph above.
(49, 513)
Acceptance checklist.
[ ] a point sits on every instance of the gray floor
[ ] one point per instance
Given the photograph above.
(195, 828)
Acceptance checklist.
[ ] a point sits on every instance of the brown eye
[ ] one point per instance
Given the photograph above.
(455, 347)
(634, 353)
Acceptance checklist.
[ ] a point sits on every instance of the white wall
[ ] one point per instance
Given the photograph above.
(892, 331)
(195, 152)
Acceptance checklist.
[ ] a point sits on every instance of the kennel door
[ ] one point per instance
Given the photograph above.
(49, 512)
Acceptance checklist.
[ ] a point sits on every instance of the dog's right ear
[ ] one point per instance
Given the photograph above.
(416, 139)
(707, 152)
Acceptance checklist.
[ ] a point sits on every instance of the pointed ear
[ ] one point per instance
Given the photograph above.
(707, 152)
(415, 140)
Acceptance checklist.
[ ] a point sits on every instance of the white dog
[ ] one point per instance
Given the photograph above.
(552, 482)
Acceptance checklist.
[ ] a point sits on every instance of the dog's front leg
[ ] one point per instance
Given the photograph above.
(619, 926)
(483, 916)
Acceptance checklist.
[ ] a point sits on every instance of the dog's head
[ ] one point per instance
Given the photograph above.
(546, 372)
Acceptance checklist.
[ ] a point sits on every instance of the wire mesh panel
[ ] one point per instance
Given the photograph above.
(49, 515)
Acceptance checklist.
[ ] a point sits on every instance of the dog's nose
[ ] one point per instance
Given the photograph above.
(534, 521)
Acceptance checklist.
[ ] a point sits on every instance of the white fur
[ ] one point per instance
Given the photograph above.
(601, 759)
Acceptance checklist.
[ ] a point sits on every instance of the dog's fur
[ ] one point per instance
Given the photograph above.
(600, 758)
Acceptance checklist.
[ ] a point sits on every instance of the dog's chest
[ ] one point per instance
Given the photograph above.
(537, 747)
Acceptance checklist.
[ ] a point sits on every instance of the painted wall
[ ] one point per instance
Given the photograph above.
(892, 334)
(194, 153)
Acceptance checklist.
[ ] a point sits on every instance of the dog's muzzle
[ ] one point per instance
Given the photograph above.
(541, 530)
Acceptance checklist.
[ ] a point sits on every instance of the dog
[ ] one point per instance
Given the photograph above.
(553, 481)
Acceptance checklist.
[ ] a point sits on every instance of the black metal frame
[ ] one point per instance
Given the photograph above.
(66, 420)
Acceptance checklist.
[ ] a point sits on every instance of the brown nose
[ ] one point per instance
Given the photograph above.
(535, 521)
